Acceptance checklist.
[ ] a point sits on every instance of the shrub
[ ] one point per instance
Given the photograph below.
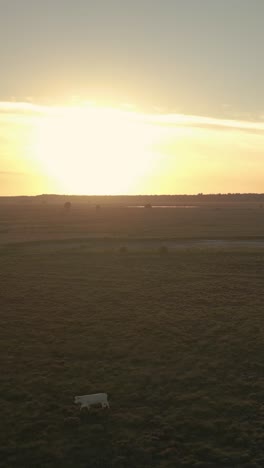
(67, 206)
(163, 250)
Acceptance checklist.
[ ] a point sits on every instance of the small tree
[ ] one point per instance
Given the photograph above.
(67, 206)
(163, 250)
(148, 206)
(123, 249)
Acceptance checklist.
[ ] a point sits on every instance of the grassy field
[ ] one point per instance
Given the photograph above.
(49, 222)
(175, 339)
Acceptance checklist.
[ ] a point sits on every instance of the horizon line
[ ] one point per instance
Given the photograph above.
(200, 194)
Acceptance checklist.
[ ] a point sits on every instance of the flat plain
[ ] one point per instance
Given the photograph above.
(103, 301)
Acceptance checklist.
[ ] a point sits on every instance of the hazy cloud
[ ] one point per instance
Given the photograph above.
(12, 173)
(207, 122)
(183, 120)
(14, 107)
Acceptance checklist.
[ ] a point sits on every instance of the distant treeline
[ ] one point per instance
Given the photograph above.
(130, 200)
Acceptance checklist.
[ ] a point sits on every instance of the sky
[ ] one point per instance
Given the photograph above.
(122, 96)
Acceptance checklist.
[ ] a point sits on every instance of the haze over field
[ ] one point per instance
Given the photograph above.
(122, 97)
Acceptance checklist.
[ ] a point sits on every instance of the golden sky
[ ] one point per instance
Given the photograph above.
(131, 96)
(90, 149)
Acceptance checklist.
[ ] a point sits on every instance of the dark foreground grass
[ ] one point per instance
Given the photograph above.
(176, 341)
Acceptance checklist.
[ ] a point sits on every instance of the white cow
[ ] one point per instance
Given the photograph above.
(86, 401)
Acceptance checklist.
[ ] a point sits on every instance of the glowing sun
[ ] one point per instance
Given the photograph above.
(93, 150)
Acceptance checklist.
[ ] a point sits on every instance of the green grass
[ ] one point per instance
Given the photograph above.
(176, 340)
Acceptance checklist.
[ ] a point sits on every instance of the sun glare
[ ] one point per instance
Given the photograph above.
(93, 150)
